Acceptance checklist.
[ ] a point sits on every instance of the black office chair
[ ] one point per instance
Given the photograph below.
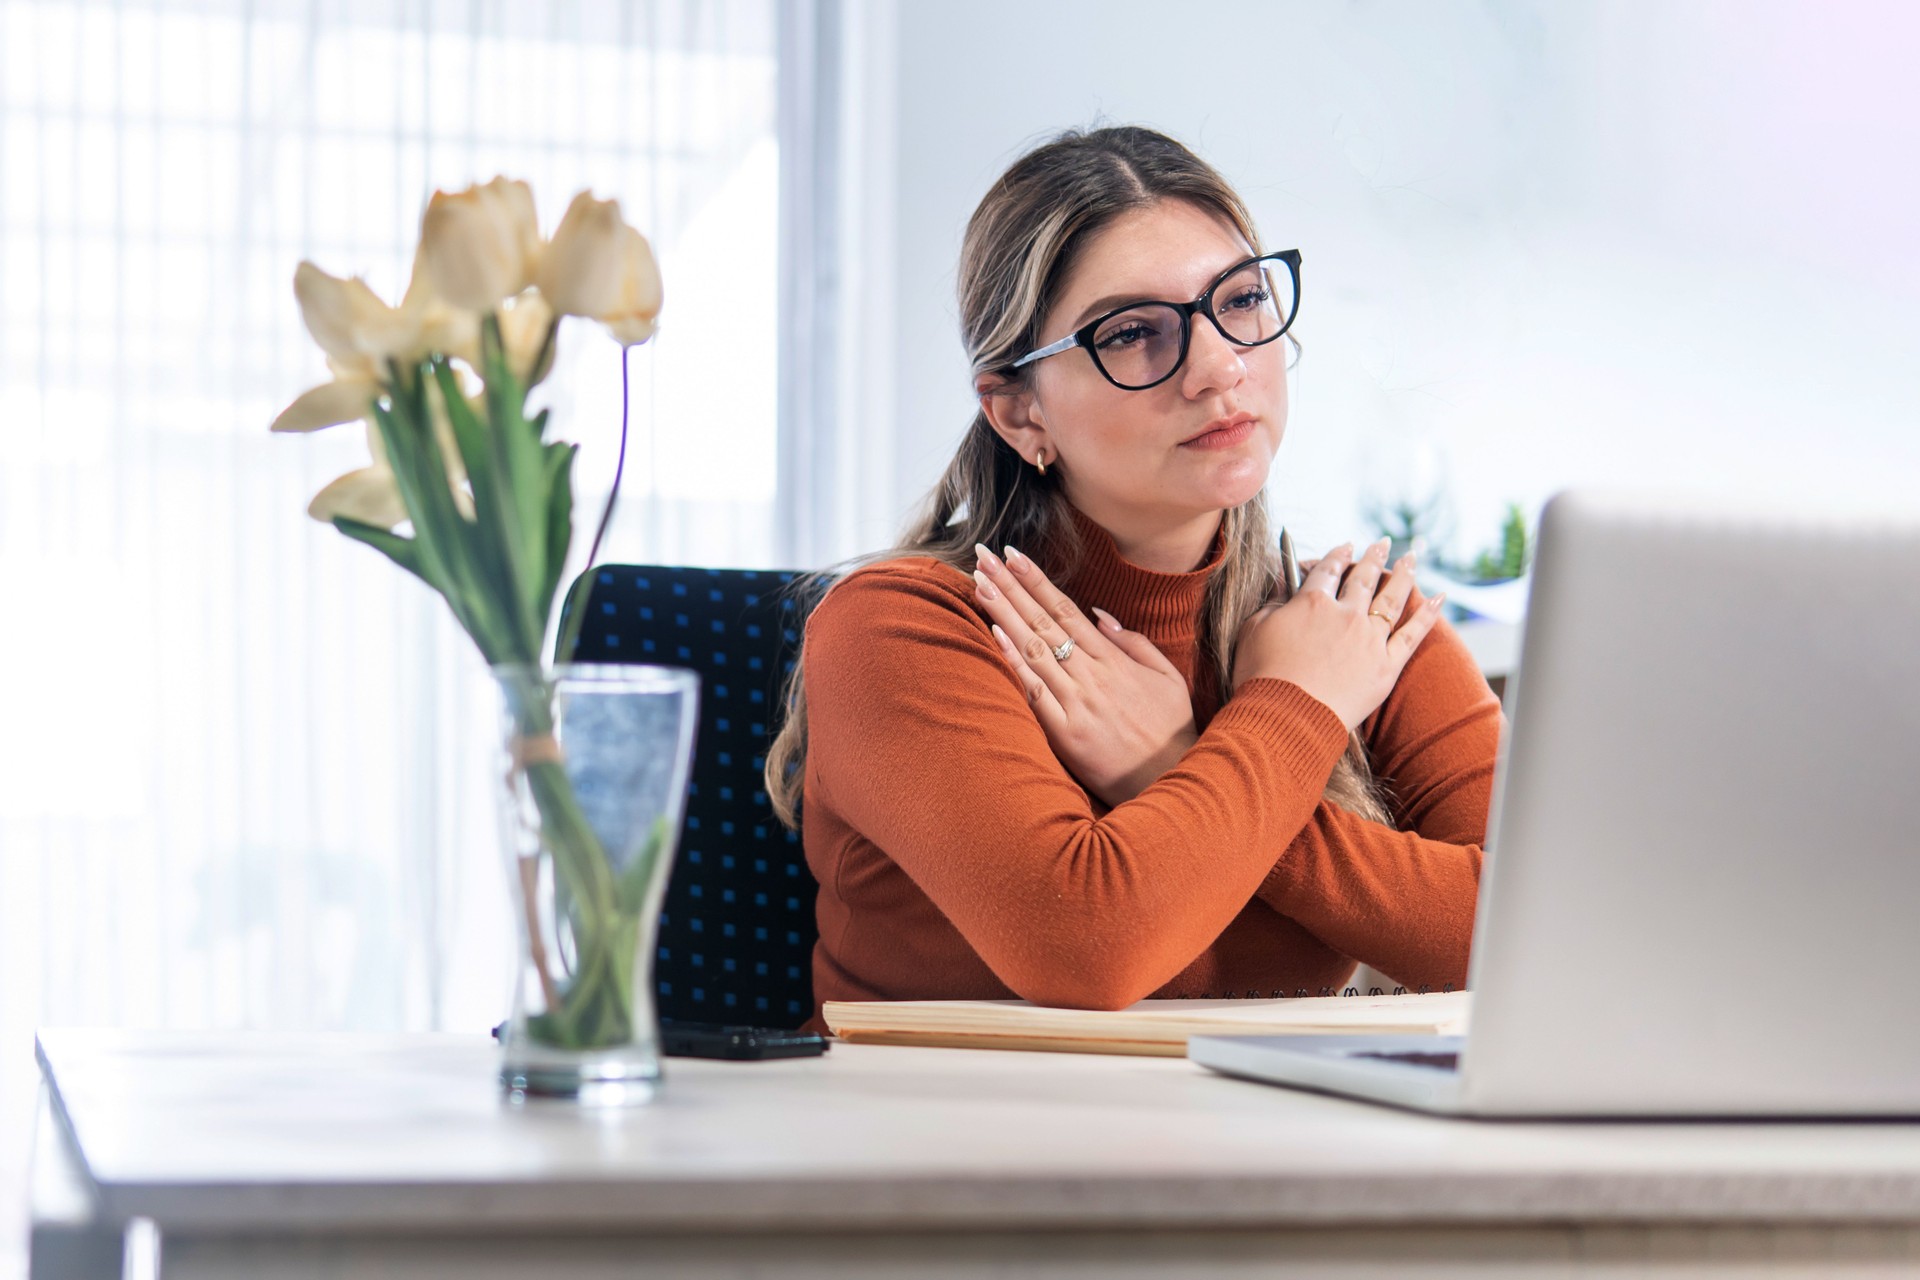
(737, 929)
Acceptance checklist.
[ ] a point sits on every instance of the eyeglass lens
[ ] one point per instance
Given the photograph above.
(1142, 345)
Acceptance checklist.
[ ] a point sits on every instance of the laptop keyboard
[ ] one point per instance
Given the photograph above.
(1438, 1061)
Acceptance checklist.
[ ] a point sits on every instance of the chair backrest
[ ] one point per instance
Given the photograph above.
(737, 929)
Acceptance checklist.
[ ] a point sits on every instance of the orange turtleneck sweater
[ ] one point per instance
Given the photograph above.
(958, 859)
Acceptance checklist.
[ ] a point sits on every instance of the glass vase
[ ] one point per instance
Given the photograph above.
(593, 787)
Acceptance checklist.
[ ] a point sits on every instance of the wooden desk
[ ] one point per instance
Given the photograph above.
(309, 1156)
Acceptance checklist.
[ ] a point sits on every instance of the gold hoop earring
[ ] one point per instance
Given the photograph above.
(1040, 461)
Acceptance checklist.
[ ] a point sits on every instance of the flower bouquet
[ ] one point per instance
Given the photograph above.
(466, 492)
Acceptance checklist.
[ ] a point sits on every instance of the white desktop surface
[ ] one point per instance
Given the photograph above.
(318, 1155)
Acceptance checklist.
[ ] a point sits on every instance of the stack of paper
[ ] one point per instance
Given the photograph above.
(1158, 1027)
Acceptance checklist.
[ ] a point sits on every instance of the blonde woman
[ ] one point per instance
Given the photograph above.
(1074, 740)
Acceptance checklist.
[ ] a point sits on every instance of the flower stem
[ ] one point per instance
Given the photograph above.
(576, 610)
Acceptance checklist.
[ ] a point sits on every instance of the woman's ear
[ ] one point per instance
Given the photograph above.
(1015, 414)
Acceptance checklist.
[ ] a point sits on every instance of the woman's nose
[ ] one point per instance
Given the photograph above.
(1213, 363)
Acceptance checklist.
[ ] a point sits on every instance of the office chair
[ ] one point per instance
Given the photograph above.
(737, 928)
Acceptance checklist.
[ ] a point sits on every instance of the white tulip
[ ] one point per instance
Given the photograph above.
(439, 328)
(342, 315)
(601, 268)
(481, 245)
(329, 404)
(631, 320)
(580, 270)
(361, 334)
(524, 327)
(369, 495)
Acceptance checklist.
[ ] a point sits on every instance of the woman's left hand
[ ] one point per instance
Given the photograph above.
(1115, 710)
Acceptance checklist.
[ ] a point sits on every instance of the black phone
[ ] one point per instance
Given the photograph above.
(739, 1044)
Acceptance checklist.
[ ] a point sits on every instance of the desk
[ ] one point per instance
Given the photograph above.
(394, 1156)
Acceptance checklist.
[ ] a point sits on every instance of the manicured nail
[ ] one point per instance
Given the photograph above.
(1383, 546)
(1437, 601)
(1005, 644)
(1405, 562)
(1015, 561)
(987, 589)
(1107, 620)
(986, 556)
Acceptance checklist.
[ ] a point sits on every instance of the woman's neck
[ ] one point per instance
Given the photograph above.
(1164, 545)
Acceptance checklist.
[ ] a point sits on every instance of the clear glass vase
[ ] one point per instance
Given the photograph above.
(594, 783)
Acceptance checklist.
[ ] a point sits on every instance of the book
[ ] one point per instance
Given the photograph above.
(1151, 1027)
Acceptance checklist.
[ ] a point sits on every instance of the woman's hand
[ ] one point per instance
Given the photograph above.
(1115, 710)
(1342, 642)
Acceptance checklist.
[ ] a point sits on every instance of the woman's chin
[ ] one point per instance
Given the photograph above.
(1238, 484)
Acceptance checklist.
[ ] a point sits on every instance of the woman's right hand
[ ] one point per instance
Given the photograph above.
(1341, 642)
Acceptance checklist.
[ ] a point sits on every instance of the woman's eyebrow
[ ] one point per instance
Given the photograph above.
(1101, 305)
(1108, 303)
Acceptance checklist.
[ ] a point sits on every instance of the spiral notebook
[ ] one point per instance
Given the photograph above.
(1151, 1027)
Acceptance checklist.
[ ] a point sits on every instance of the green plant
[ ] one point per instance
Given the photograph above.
(1513, 556)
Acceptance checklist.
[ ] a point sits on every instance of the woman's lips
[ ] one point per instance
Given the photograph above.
(1221, 437)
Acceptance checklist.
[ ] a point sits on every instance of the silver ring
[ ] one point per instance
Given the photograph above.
(1065, 650)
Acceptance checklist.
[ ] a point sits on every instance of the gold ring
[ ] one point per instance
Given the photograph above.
(1384, 617)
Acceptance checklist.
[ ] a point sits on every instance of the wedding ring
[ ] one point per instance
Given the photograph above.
(1384, 617)
(1065, 650)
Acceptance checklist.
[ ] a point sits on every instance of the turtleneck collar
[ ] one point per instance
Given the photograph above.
(1164, 607)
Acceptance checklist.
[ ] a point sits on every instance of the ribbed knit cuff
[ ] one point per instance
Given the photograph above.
(1307, 736)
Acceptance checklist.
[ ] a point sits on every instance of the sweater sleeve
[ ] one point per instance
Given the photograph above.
(920, 738)
(1403, 900)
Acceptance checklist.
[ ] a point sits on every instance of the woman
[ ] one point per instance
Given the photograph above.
(1129, 762)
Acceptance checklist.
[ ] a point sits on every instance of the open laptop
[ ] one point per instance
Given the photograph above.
(1702, 887)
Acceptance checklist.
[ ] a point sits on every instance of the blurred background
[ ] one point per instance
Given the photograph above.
(243, 781)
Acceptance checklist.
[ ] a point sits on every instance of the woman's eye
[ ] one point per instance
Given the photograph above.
(1124, 336)
(1249, 299)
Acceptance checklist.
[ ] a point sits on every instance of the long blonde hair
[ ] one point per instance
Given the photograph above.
(1020, 246)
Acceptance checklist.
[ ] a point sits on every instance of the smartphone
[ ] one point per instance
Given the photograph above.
(740, 1044)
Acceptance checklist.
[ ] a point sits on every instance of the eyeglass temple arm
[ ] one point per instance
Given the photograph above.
(1067, 343)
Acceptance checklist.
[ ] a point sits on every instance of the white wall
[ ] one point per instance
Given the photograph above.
(1595, 243)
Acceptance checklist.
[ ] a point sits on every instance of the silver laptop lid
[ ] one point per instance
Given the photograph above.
(1704, 870)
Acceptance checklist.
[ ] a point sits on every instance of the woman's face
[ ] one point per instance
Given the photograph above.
(1203, 440)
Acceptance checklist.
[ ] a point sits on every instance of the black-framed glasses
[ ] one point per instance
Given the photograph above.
(1144, 343)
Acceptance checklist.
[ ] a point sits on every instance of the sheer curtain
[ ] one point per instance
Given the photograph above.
(243, 779)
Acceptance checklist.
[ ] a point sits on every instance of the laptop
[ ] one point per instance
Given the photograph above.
(1702, 888)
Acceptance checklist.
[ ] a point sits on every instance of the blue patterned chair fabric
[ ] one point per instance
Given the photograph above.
(737, 930)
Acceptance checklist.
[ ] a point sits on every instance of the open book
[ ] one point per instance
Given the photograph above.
(1158, 1027)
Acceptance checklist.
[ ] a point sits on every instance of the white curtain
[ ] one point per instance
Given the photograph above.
(244, 763)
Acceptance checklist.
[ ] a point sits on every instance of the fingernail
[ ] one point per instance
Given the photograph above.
(1107, 620)
(1383, 546)
(987, 590)
(986, 555)
(1015, 561)
(1437, 601)
(1405, 562)
(1001, 636)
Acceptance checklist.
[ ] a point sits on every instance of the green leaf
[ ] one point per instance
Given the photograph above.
(559, 524)
(492, 532)
(440, 531)
(631, 892)
(521, 470)
(402, 551)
